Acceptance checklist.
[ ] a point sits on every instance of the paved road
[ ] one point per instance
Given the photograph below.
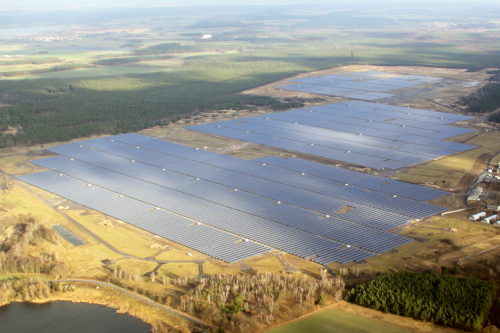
(141, 298)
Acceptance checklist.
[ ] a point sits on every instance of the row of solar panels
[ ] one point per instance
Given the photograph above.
(333, 91)
(359, 85)
(390, 138)
(262, 231)
(345, 121)
(364, 181)
(283, 213)
(270, 182)
(190, 181)
(210, 241)
(366, 82)
(360, 143)
(335, 132)
(345, 155)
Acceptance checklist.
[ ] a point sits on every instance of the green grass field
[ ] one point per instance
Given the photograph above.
(336, 321)
(91, 72)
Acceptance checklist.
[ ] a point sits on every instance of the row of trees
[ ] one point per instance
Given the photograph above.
(57, 68)
(118, 61)
(25, 290)
(461, 303)
(239, 301)
(12, 250)
(48, 110)
(487, 99)
(31, 61)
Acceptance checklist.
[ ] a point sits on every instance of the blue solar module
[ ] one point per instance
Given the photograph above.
(360, 133)
(389, 186)
(178, 229)
(213, 242)
(367, 85)
(303, 208)
(239, 167)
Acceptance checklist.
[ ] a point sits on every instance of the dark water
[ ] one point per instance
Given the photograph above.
(68, 235)
(67, 317)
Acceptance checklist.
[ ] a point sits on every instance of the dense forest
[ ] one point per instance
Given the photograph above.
(57, 68)
(487, 99)
(461, 303)
(48, 110)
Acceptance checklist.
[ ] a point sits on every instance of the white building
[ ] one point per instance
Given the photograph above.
(478, 216)
(490, 219)
(474, 194)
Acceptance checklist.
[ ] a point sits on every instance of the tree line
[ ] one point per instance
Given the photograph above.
(128, 60)
(487, 99)
(13, 258)
(461, 303)
(57, 68)
(31, 61)
(48, 110)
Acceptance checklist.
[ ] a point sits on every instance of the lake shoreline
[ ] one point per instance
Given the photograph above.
(109, 298)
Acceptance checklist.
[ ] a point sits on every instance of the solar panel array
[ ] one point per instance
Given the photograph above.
(213, 242)
(366, 85)
(164, 187)
(361, 133)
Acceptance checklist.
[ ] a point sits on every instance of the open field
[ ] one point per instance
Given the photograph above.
(460, 170)
(116, 234)
(434, 247)
(451, 169)
(90, 72)
(335, 321)
(349, 318)
(19, 164)
(20, 276)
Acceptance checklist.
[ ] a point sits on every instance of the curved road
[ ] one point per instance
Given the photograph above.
(140, 298)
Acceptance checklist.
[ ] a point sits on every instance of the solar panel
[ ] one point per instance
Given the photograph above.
(360, 133)
(367, 85)
(311, 215)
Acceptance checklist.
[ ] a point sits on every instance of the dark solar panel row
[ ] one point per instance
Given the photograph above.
(367, 85)
(263, 231)
(316, 132)
(425, 113)
(210, 241)
(386, 137)
(349, 123)
(335, 91)
(249, 177)
(389, 186)
(283, 213)
(377, 115)
(344, 155)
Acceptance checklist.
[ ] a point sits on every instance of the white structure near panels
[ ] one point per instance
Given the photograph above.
(361, 133)
(366, 85)
(296, 208)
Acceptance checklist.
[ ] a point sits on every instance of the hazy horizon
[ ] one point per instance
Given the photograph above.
(62, 4)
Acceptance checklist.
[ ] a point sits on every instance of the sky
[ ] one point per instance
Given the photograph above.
(66, 4)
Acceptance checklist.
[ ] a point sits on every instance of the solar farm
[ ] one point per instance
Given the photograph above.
(232, 209)
(365, 85)
(357, 132)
